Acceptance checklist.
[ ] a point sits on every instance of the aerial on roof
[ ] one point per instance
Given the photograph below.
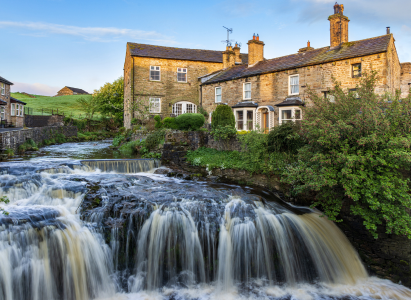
(4, 80)
(76, 90)
(178, 53)
(309, 58)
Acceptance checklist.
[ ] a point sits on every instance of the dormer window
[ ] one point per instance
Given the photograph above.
(181, 74)
(155, 73)
(247, 91)
(294, 84)
(3, 88)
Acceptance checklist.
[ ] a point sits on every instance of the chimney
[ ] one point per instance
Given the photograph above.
(338, 26)
(308, 48)
(238, 59)
(255, 50)
(228, 57)
(388, 30)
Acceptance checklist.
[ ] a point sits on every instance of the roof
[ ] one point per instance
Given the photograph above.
(309, 58)
(14, 100)
(245, 104)
(76, 90)
(144, 50)
(291, 101)
(3, 102)
(4, 80)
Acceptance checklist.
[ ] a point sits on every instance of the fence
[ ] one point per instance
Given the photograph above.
(42, 111)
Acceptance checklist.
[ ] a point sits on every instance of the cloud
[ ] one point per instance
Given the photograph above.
(95, 34)
(35, 88)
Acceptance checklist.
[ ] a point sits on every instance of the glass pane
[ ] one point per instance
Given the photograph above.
(189, 108)
(247, 95)
(294, 89)
(247, 86)
(240, 120)
(286, 115)
(177, 108)
(181, 77)
(297, 114)
(218, 98)
(218, 91)
(249, 120)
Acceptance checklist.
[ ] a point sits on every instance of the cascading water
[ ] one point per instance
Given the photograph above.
(92, 230)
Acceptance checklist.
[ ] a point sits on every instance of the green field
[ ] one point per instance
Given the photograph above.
(66, 105)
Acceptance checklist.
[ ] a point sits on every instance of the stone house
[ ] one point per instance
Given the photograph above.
(267, 92)
(71, 91)
(11, 109)
(164, 80)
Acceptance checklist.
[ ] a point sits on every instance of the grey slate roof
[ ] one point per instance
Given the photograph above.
(76, 90)
(2, 102)
(145, 50)
(13, 100)
(4, 80)
(291, 101)
(309, 58)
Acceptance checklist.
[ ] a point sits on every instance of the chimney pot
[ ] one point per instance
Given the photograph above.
(258, 37)
(388, 30)
(308, 44)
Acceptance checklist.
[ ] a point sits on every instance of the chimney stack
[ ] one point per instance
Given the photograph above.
(228, 57)
(338, 26)
(308, 48)
(255, 50)
(238, 59)
(388, 30)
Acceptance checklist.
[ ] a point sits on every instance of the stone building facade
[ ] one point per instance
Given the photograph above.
(164, 80)
(271, 91)
(66, 91)
(11, 109)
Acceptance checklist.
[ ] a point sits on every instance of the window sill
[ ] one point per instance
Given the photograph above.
(154, 80)
(182, 82)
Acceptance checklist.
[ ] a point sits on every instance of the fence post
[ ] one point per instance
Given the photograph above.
(42, 113)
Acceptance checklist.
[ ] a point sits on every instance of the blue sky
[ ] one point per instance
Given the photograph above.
(48, 44)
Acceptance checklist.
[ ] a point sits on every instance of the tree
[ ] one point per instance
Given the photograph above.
(357, 153)
(89, 105)
(110, 99)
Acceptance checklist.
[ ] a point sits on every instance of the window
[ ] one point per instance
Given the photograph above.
(244, 119)
(3, 88)
(177, 109)
(17, 109)
(218, 94)
(2, 113)
(181, 74)
(183, 107)
(155, 107)
(290, 114)
(294, 84)
(155, 73)
(247, 90)
(328, 96)
(356, 70)
(12, 107)
(21, 110)
(240, 120)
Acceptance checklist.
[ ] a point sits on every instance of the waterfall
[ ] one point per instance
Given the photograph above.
(122, 165)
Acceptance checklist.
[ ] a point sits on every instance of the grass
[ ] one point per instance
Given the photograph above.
(64, 104)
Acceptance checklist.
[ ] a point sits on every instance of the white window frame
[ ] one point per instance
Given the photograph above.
(12, 109)
(245, 125)
(183, 107)
(289, 84)
(244, 90)
(2, 113)
(151, 101)
(216, 95)
(3, 88)
(159, 72)
(17, 110)
(293, 109)
(21, 110)
(182, 72)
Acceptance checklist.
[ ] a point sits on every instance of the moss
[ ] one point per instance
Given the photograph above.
(348, 44)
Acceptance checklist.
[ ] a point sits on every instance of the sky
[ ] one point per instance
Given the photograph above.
(48, 44)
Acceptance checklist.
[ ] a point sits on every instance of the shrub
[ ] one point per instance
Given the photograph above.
(202, 111)
(158, 124)
(285, 138)
(154, 139)
(223, 116)
(223, 132)
(60, 138)
(190, 121)
(170, 123)
(134, 121)
(28, 145)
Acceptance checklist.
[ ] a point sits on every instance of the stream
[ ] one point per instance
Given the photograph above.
(86, 222)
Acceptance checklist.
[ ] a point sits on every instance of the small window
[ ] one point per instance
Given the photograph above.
(294, 84)
(155, 73)
(155, 107)
(13, 108)
(247, 90)
(3, 88)
(181, 74)
(218, 94)
(356, 70)
(328, 96)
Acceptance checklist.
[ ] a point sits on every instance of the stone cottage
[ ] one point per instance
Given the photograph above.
(267, 92)
(164, 80)
(71, 91)
(11, 109)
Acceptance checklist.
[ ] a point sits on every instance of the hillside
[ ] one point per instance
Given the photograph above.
(64, 104)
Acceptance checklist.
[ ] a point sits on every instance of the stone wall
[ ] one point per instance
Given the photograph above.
(168, 89)
(42, 121)
(6, 98)
(405, 78)
(13, 139)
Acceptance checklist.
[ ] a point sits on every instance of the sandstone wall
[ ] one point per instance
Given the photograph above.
(405, 78)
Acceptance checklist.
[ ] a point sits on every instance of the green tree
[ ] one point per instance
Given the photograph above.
(89, 105)
(110, 100)
(222, 116)
(357, 154)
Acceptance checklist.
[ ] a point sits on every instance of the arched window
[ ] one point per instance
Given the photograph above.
(183, 107)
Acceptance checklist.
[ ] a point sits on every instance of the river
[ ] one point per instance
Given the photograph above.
(85, 224)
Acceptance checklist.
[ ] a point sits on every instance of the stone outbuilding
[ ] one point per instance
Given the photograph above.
(71, 91)
(11, 109)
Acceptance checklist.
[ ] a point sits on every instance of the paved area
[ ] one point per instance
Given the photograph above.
(10, 129)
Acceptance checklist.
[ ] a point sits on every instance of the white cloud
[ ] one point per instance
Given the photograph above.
(35, 88)
(96, 34)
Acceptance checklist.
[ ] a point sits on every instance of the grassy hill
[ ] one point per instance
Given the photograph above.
(65, 104)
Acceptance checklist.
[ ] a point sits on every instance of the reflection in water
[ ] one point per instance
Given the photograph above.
(143, 236)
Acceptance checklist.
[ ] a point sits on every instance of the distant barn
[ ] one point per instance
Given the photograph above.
(71, 91)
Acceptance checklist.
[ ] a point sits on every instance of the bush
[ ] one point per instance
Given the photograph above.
(223, 132)
(60, 138)
(202, 111)
(223, 116)
(285, 138)
(170, 123)
(27, 146)
(134, 121)
(154, 139)
(158, 124)
(190, 121)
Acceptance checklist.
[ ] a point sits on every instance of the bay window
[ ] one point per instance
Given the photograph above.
(294, 84)
(244, 119)
(290, 114)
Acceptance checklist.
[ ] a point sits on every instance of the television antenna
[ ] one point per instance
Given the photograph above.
(228, 41)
